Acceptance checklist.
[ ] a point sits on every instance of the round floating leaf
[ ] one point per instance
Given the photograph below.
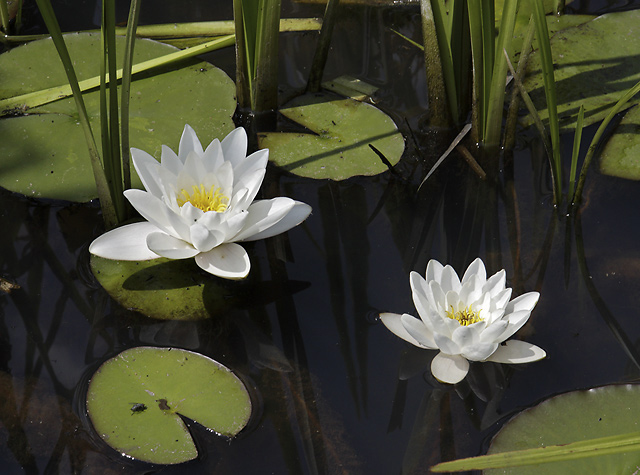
(341, 149)
(595, 63)
(45, 155)
(621, 154)
(572, 417)
(162, 288)
(135, 401)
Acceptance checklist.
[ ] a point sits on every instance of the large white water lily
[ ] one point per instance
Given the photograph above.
(466, 320)
(200, 203)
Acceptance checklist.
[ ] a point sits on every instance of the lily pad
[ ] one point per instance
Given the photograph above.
(571, 417)
(596, 62)
(162, 288)
(621, 155)
(135, 401)
(44, 154)
(344, 130)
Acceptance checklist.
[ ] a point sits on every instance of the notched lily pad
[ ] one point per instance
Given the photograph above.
(44, 154)
(571, 417)
(135, 401)
(162, 288)
(341, 149)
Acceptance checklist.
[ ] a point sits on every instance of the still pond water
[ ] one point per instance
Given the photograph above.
(334, 390)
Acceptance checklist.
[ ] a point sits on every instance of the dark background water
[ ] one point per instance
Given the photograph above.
(335, 391)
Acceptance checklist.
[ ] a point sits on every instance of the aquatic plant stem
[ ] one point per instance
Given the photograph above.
(577, 138)
(438, 108)
(4, 16)
(322, 48)
(130, 37)
(106, 201)
(45, 96)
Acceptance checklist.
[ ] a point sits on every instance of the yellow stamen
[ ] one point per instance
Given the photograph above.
(466, 316)
(212, 200)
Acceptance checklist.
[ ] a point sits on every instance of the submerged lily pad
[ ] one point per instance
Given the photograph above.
(572, 417)
(44, 154)
(595, 64)
(135, 401)
(621, 155)
(162, 288)
(341, 149)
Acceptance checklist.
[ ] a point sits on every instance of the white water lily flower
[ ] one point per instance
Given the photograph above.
(465, 320)
(199, 203)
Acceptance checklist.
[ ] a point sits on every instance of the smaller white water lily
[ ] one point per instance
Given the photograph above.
(200, 203)
(466, 320)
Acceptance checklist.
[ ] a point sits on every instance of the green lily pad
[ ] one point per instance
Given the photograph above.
(345, 128)
(162, 288)
(44, 154)
(571, 417)
(621, 155)
(596, 63)
(136, 398)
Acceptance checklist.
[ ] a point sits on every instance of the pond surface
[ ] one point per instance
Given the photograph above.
(334, 390)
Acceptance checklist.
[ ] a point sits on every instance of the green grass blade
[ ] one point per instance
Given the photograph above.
(132, 25)
(4, 16)
(108, 210)
(577, 196)
(552, 453)
(437, 91)
(488, 17)
(495, 104)
(477, 61)
(45, 96)
(322, 48)
(577, 138)
(444, 47)
(265, 86)
(546, 59)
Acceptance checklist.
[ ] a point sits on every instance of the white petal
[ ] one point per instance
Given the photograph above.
(434, 271)
(491, 333)
(393, 322)
(170, 247)
(147, 167)
(465, 336)
(234, 146)
(270, 217)
(516, 322)
(446, 344)
(150, 208)
(188, 143)
(422, 296)
(204, 239)
(170, 161)
(479, 351)
(126, 243)
(419, 331)
(213, 157)
(523, 302)
(254, 162)
(449, 280)
(495, 283)
(516, 351)
(229, 261)
(251, 182)
(476, 268)
(449, 368)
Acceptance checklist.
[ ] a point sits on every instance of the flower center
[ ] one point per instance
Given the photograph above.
(212, 200)
(466, 316)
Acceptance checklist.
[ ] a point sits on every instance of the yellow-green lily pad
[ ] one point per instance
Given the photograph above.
(163, 288)
(595, 64)
(44, 154)
(572, 417)
(136, 398)
(620, 156)
(344, 129)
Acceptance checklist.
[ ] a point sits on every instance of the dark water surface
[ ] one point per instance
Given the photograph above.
(335, 391)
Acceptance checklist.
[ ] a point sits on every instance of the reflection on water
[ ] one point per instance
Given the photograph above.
(336, 392)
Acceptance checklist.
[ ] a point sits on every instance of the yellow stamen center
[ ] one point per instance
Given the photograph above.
(466, 316)
(212, 200)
